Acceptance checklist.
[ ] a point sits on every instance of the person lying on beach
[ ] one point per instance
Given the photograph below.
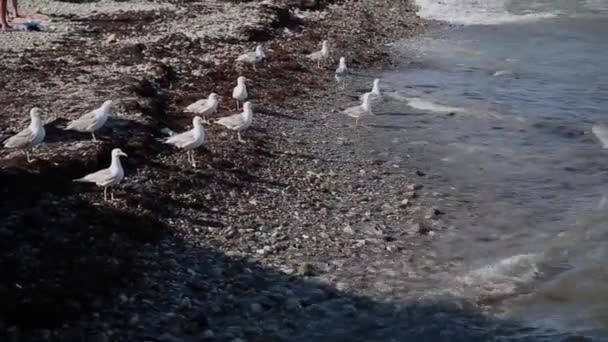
(3, 13)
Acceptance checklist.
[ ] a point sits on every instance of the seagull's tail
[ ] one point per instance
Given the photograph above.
(167, 131)
(70, 126)
(81, 180)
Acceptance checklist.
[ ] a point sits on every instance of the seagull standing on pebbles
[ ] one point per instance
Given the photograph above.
(30, 137)
(252, 58)
(342, 72)
(109, 177)
(204, 107)
(322, 55)
(239, 93)
(376, 95)
(93, 120)
(189, 140)
(238, 122)
(357, 112)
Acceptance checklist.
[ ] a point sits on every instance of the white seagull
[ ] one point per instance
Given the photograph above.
(252, 58)
(109, 177)
(30, 137)
(341, 71)
(322, 55)
(357, 112)
(239, 93)
(376, 95)
(93, 120)
(238, 122)
(189, 140)
(204, 107)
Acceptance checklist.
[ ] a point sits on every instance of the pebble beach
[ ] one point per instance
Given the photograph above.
(285, 238)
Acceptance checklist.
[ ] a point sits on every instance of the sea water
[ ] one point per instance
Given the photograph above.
(505, 102)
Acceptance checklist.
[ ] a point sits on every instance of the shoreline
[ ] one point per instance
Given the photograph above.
(259, 238)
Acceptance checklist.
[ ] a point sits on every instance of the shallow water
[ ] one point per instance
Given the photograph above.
(502, 108)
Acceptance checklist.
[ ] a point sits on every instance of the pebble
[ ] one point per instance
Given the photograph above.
(292, 304)
(304, 269)
(101, 337)
(209, 334)
(13, 334)
(166, 337)
(348, 229)
(255, 308)
(185, 303)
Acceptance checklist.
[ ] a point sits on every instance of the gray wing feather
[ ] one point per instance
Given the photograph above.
(84, 122)
(181, 140)
(100, 177)
(20, 139)
(232, 121)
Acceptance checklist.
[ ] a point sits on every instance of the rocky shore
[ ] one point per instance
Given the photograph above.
(293, 236)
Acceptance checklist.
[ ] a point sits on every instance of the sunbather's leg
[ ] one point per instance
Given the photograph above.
(3, 22)
(15, 12)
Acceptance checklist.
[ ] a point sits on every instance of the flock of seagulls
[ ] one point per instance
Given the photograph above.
(32, 136)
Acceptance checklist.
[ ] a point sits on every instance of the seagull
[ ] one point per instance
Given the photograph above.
(238, 122)
(252, 58)
(30, 137)
(239, 93)
(93, 120)
(376, 96)
(189, 140)
(322, 55)
(341, 71)
(204, 107)
(357, 112)
(107, 177)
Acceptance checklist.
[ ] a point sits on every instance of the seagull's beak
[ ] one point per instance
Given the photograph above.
(123, 154)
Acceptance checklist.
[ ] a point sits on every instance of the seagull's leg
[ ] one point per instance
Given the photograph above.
(237, 105)
(105, 193)
(111, 194)
(238, 134)
(254, 68)
(93, 134)
(357, 123)
(193, 160)
(27, 156)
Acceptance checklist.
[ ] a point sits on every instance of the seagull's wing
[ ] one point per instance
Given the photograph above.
(181, 140)
(315, 55)
(248, 57)
(101, 177)
(20, 139)
(84, 122)
(353, 111)
(232, 121)
(197, 106)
